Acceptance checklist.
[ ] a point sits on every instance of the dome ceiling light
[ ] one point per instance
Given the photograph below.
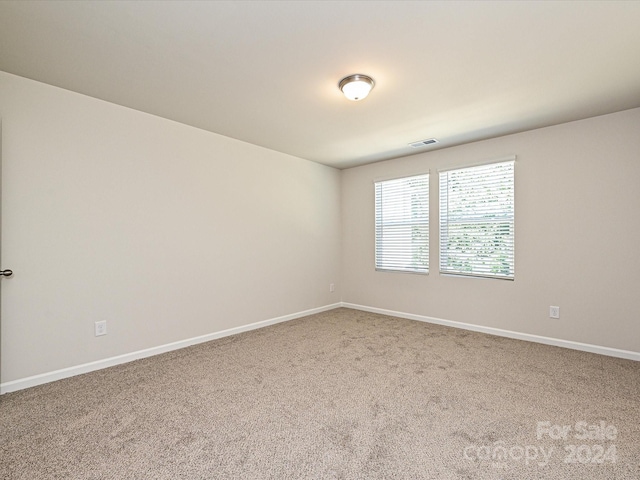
(356, 87)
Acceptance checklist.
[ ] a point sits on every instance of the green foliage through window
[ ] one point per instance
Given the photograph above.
(477, 221)
(402, 224)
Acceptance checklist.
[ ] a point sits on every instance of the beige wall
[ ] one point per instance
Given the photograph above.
(165, 231)
(577, 236)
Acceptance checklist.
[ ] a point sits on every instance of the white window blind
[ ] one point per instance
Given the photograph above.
(402, 224)
(477, 221)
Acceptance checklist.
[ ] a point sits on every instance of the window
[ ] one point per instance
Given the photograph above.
(477, 221)
(402, 224)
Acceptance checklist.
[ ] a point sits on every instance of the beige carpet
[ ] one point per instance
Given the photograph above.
(339, 395)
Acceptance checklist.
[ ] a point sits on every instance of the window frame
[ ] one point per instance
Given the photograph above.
(481, 220)
(391, 264)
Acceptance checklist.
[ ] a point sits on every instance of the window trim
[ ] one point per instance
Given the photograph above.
(481, 163)
(378, 264)
(441, 234)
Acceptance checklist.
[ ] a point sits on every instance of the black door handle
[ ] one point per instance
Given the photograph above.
(6, 273)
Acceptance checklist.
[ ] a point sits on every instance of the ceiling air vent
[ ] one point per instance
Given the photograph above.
(423, 143)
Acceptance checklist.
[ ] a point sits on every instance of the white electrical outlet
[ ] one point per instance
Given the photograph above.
(101, 328)
(332, 287)
(554, 312)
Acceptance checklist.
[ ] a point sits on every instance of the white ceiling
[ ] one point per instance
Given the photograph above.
(266, 72)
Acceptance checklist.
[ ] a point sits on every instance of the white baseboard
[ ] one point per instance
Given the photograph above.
(27, 382)
(40, 379)
(585, 347)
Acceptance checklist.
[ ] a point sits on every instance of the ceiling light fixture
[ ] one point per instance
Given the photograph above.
(356, 87)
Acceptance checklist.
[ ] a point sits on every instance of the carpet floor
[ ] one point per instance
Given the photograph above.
(343, 394)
